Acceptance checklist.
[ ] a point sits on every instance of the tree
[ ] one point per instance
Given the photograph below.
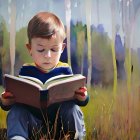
(1, 45)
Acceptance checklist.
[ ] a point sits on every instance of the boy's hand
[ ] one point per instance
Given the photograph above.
(7, 98)
(81, 94)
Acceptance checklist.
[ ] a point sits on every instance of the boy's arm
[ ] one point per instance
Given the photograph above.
(81, 96)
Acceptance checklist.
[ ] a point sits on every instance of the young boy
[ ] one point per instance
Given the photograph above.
(46, 34)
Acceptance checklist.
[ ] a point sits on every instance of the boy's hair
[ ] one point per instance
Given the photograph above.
(44, 25)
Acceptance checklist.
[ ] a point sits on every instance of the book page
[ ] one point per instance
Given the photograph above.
(24, 80)
(32, 79)
(65, 89)
(50, 79)
(62, 80)
(58, 77)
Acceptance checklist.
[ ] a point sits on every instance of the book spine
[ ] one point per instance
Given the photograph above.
(43, 95)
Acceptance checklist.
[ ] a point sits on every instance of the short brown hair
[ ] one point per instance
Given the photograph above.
(44, 25)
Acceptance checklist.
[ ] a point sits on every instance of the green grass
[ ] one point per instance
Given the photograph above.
(108, 117)
(112, 118)
(2, 114)
(2, 121)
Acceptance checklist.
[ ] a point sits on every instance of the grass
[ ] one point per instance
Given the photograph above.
(113, 118)
(108, 117)
(2, 122)
(2, 114)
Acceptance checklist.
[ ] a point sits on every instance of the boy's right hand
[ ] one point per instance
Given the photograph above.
(7, 98)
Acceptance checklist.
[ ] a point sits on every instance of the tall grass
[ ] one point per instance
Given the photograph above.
(2, 122)
(109, 118)
(2, 115)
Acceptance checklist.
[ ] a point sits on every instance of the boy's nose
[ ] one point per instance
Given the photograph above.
(48, 53)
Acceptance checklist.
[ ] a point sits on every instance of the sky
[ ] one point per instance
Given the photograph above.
(100, 12)
(27, 8)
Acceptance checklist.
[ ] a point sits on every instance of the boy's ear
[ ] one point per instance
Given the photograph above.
(63, 47)
(28, 46)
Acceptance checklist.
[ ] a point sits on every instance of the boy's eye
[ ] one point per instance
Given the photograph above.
(55, 50)
(41, 50)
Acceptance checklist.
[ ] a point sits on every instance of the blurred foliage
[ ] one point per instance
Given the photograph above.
(21, 41)
(5, 46)
(80, 31)
(102, 56)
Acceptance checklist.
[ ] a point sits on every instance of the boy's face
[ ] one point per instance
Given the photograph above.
(46, 52)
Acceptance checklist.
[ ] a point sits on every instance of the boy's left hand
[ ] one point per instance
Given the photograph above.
(81, 94)
(7, 98)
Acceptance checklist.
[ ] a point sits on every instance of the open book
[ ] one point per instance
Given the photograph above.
(31, 91)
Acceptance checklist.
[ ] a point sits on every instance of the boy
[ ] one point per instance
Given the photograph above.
(46, 34)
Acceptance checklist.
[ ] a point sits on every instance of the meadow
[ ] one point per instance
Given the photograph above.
(108, 116)
(2, 121)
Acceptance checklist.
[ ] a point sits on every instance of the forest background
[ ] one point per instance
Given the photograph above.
(102, 44)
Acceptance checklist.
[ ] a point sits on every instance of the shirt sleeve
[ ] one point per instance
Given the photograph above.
(3, 107)
(82, 103)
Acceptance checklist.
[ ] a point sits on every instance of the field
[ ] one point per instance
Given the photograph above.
(109, 116)
(113, 118)
(2, 122)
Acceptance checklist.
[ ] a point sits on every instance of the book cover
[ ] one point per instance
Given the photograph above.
(33, 92)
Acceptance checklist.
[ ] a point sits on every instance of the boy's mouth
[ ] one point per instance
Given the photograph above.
(46, 63)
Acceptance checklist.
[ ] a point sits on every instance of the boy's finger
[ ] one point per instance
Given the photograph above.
(7, 95)
(80, 93)
(82, 89)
